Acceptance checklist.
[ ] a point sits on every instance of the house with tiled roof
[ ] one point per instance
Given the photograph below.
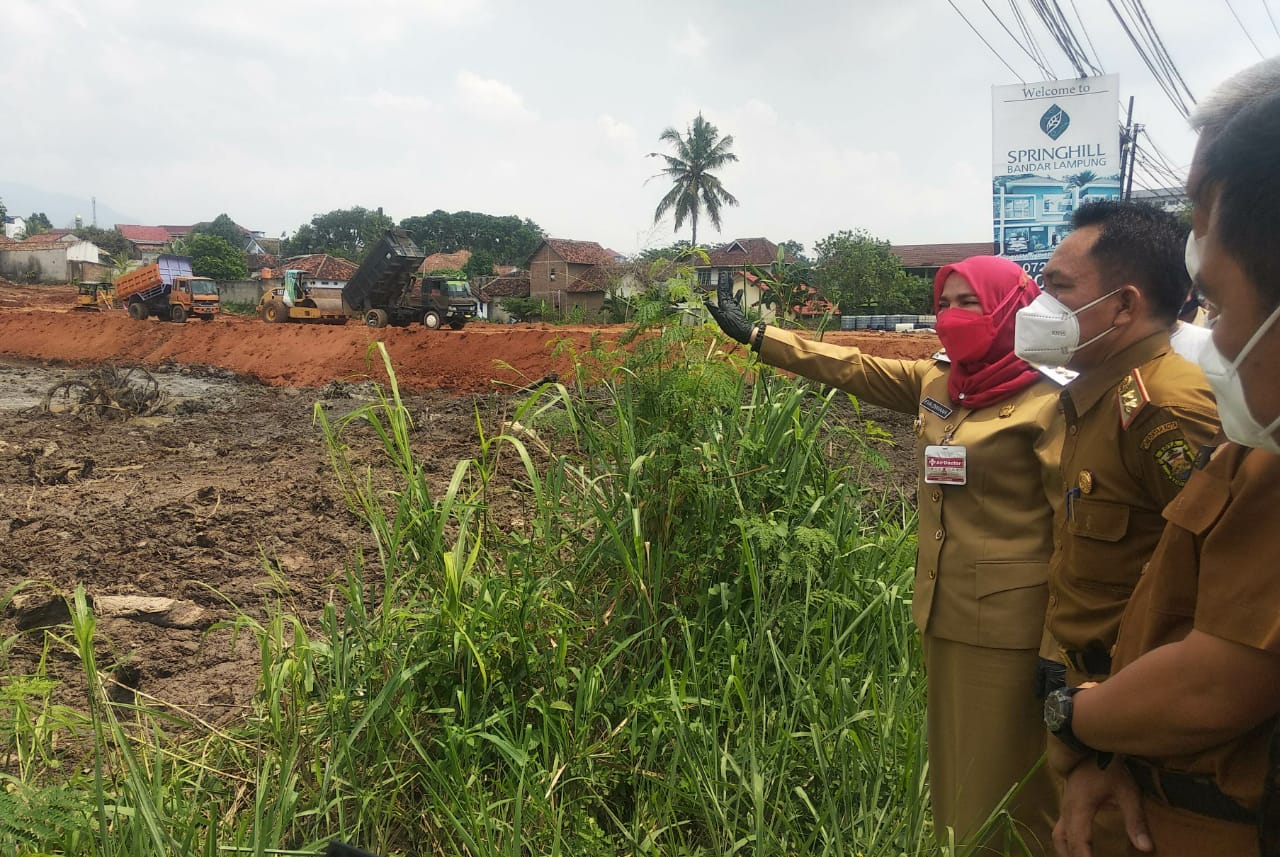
(319, 269)
(566, 273)
(57, 259)
(145, 242)
(455, 261)
(734, 259)
(926, 259)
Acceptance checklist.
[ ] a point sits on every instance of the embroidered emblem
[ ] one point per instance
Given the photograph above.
(1132, 394)
(933, 405)
(1157, 431)
(1006, 412)
(1086, 482)
(1176, 460)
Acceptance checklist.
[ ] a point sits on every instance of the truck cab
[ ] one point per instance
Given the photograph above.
(447, 301)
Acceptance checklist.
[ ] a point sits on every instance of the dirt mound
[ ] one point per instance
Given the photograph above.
(478, 358)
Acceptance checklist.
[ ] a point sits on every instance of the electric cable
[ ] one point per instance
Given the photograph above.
(1267, 6)
(1020, 45)
(1245, 30)
(985, 42)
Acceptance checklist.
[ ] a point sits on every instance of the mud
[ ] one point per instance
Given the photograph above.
(226, 497)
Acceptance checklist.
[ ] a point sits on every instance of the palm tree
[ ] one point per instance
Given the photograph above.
(700, 150)
(1081, 179)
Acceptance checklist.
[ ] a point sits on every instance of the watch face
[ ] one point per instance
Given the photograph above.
(1057, 710)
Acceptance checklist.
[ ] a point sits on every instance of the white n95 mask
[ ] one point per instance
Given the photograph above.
(1238, 422)
(1192, 254)
(1047, 331)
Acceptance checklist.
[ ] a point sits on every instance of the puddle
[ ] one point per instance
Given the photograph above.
(22, 387)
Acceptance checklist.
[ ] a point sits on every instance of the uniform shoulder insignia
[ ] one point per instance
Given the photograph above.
(1059, 374)
(1133, 397)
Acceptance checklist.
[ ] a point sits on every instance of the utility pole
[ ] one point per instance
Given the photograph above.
(1133, 153)
(1126, 148)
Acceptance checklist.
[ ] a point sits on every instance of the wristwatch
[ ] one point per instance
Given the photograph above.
(1059, 710)
(1059, 707)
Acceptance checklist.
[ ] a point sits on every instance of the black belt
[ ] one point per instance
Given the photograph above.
(1186, 791)
(1088, 661)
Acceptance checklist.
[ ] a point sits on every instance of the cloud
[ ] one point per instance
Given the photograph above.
(395, 101)
(616, 130)
(692, 43)
(491, 99)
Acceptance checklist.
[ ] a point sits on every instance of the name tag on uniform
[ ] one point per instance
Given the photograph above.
(936, 407)
(946, 465)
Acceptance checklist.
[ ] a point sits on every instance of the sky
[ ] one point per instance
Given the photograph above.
(862, 114)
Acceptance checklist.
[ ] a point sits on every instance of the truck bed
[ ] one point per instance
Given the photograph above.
(152, 280)
(386, 272)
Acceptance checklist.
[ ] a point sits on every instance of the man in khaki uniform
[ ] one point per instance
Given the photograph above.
(986, 509)
(1194, 699)
(1135, 417)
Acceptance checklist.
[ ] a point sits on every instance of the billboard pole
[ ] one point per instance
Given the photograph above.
(1133, 152)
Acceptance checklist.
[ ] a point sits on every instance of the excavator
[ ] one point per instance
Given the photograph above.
(95, 297)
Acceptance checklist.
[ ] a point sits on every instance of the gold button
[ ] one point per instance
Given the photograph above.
(938, 535)
(948, 428)
(1053, 600)
(932, 574)
(937, 495)
(1074, 429)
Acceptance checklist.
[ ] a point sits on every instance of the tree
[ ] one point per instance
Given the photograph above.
(225, 228)
(479, 265)
(110, 241)
(786, 283)
(4, 212)
(509, 239)
(1081, 179)
(213, 257)
(794, 249)
(693, 185)
(37, 223)
(345, 232)
(859, 272)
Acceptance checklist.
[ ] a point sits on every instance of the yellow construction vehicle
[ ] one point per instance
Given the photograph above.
(95, 297)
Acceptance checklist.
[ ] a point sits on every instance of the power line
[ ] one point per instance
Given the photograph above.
(1088, 38)
(1023, 47)
(1030, 37)
(985, 42)
(1267, 6)
(1245, 30)
(1158, 70)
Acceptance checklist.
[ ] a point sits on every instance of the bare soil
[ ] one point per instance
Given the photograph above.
(226, 496)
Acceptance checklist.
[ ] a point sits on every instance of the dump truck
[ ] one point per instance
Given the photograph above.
(385, 289)
(167, 289)
(293, 300)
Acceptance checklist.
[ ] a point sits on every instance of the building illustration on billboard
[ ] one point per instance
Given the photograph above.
(1055, 146)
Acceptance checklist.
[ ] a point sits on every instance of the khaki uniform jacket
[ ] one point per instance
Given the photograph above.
(1215, 571)
(1134, 425)
(984, 546)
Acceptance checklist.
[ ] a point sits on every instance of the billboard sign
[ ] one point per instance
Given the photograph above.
(1055, 145)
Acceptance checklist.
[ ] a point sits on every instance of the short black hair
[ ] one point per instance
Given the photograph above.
(1241, 164)
(1143, 245)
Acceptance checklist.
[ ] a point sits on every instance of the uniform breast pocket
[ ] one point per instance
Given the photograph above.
(1011, 596)
(1096, 555)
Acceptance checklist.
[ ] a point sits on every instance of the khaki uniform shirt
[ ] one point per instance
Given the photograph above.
(1133, 427)
(1215, 571)
(984, 546)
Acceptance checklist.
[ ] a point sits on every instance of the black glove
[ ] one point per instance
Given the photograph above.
(1050, 675)
(727, 311)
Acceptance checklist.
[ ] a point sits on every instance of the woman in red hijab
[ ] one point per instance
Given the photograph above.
(988, 438)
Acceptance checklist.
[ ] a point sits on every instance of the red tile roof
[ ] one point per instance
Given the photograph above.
(580, 252)
(143, 234)
(445, 261)
(937, 255)
(743, 251)
(595, 279)
(509, 286)
(320, 266)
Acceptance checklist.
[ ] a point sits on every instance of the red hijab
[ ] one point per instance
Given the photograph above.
(984, 369)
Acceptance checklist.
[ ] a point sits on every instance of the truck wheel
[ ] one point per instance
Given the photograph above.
(431, 321)
(138, 310)
(178, 314)
(457, 324)
(274, 312)
(376, 318)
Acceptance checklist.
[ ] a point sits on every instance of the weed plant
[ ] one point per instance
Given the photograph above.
(698, 643)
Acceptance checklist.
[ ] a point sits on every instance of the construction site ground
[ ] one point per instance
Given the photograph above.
(224, 496)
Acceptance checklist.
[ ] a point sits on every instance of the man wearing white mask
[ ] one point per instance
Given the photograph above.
(1195, 699)
(1136, 415)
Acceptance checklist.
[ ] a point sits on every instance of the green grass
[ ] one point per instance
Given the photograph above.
(699, 643)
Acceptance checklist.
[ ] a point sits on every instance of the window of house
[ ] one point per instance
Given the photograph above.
(704, 278)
